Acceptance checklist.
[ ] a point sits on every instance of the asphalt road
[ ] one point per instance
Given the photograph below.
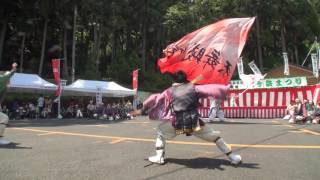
(92, 149)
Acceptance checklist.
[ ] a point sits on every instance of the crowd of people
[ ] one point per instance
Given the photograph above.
(303, 112)
(46, 107)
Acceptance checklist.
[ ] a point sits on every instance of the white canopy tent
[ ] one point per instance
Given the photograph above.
(90, 88)
(30, 83)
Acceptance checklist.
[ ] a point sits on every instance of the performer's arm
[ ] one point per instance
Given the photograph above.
(218, 91)
(149, 102)
(153, 102)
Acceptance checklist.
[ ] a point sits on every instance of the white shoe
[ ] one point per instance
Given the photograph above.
(4, 142)
(156, 159)
(234, 158)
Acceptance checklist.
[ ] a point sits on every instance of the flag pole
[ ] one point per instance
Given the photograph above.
(315, 41)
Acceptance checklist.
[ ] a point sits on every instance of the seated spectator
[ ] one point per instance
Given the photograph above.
(309, 110)
(78, 111)
(45, 112)
(290, 112)
(21, 112)
(90, 109)
(70, 111)
(299, 116)
(32, 110)
(99, 110)
(316, 118)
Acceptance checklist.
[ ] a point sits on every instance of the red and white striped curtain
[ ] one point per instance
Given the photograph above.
(262, 103)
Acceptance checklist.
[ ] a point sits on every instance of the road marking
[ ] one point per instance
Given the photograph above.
(48, 133)
(310, 132)
(301, 130)
(117, 141)
(171, 141)
(135, 122)
(99, 125)
(295, 131)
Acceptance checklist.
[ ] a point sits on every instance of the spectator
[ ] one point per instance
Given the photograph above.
(316, 119)
(290, 112)
(70, 112)
(298, 111)
(32, 110)
(78, 111)
(14, 109)
(99, 111)
(90, 109)
(40, 104)
(310, 110)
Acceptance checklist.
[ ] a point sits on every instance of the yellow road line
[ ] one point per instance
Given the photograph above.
(99, 125)
(48, 133)
(310, 132)
(135, 122)
(296, 131)
(172, 142)
(117, 141)
(301, 130)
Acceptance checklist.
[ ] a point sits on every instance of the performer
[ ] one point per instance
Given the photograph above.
(4, 119)
(177, 106)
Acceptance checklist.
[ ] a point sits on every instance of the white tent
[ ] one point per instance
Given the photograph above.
(30, 83)
(90, 88)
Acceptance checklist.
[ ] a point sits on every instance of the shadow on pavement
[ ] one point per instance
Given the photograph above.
(57, 122)
(209, 163)
(201, 163)
(13, 145)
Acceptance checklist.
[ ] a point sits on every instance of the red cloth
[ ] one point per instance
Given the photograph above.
(135, 79)
(212, 51)
(56, 74)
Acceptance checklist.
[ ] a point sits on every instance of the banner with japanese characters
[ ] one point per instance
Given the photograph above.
(211, 51)
(254, 68)
(272, 83)
(99, 96)
(240, 66)
(315, 66)
(286, 64)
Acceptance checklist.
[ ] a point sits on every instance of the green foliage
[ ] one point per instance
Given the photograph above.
(110, 33)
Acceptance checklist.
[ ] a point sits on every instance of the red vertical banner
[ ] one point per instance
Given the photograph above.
(135, 79)
(56, 73)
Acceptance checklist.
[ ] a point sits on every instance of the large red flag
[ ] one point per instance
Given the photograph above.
(56, 74)
(135, 79)
(212, 51)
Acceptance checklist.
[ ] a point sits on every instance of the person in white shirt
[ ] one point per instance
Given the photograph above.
(215, 110)
(40, 104)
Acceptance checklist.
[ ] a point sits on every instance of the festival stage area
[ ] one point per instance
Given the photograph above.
(92, 149)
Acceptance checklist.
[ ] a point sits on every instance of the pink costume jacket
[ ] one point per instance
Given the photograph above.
(159, 108)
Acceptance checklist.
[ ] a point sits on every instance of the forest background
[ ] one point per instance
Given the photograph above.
(108, 39)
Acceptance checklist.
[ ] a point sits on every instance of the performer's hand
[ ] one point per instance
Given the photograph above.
(136, 112)
(14, 67)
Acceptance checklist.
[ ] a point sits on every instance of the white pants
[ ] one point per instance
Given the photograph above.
(4, 119)
(167, 131)
(79, 114)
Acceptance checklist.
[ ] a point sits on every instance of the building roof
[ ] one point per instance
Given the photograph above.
(294, 71)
